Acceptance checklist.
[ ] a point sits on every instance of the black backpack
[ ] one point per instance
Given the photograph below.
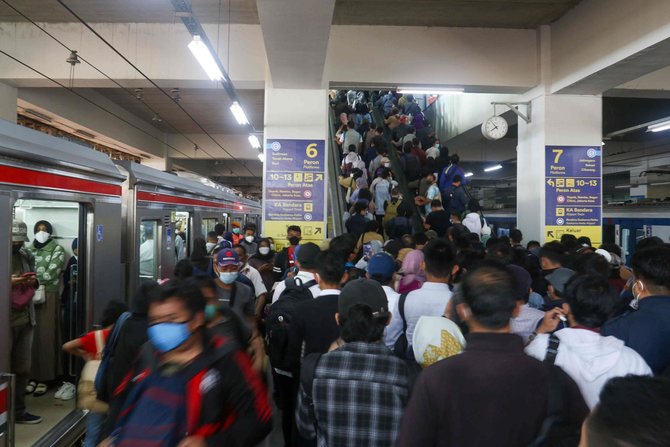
(278, 324)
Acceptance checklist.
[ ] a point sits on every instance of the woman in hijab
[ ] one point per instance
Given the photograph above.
(49, 260)
(413, 275)
(199, 258)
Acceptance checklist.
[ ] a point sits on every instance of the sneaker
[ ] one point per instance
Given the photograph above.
(27, 418)
(59, 393)
(67, 391)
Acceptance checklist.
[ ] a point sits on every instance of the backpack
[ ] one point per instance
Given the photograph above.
(401, 346)
(279, 320)
(391, 210)
(103, 393)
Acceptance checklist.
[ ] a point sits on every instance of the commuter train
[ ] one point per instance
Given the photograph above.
(624, 225)
(115, 210)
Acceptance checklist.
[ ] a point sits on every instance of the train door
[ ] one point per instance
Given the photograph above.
(55, 240)
(183, 241)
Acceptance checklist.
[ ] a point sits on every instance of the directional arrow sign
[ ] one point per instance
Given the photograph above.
(550, 234)
(318, 230)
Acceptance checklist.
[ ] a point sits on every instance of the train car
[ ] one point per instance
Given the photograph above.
(78, 191)
(163, 213)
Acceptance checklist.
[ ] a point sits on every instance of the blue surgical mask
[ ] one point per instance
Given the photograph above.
(210, 311)
(228, 277)
(168, 336)
(236, 230)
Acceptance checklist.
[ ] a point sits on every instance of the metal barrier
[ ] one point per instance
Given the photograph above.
(335, 191)
(7, 410)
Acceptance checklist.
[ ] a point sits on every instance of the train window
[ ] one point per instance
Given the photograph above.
(182, 222)
(148, 255)
(49, 243)
(207, 226)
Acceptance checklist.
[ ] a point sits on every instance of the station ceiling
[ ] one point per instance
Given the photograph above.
(527, 14)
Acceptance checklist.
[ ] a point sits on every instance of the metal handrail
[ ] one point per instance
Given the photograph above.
(336, 195)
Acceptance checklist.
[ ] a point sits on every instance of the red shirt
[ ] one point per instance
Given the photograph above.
(88, 341)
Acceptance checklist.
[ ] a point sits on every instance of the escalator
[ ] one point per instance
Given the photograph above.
(336, 197)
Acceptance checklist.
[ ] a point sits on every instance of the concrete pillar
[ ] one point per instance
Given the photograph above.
(162, 164)
(295, 170)
(564, 121)
(8, 97)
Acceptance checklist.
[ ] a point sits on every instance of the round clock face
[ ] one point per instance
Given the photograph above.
(494, 128)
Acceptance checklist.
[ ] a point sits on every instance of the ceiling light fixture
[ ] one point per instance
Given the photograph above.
(241, 118)
(430, 91)
(659, 127)
(468, 174)
(261, 157)
(204, 57)
(493, 168)
(255, 143)
(622, 187)
(37, 114)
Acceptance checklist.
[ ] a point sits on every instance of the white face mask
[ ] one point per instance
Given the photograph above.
(209, 246)
(387, 165)
(42, 237)
(264, 250)
(249, 239)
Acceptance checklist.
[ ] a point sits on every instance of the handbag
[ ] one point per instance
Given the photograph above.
(21, 296)
(86, 394)
(40, 296)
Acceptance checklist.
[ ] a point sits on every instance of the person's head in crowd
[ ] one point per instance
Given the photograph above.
(412, 129)
(464, 261)
(454, 159)
(420, 239)
(405, 209)
(516, 236)
(272, 243)
(413, 267)
(633, 412)
(473, 206)
(199, 251)
(249, 232)
(552, 255)
(438, 260)
(362, 311)
(226, 266)
(219, 229)
(293, 235)
(408, 241)
(458, 234)
(436, 205)
(112, 312)
(352, 149)
(489, 298)
(351, 125)
(381, 268)
(212, 240)
(176, 319)
(534, 247)
(265, 248)
(589, 300)
(372, 226)
(386, 163)
(241, 254)
(393, 247)
(139, 304)
(611, 247)
(431, 234)
(430, 178)
(593, 264)
(505, 240)
(385, 173)
(651, 272)
(415, 142)
(305, 257)
(501, 252)
(345, 245)
(570, 243)
(454, 218)
(474, 240)
(183, 269)
(395, 193)
(364, 194)
(557, 281)
(407, 147)
(584, 241)
(457, 180)
(648, 242)
(360, 207)
(379, 131)
(329, 269)
(236, 228)
(522, 281)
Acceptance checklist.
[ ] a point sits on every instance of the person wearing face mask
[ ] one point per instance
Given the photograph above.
(22, 320)
(212, 241)
(647, 329)
(254, 276)
(235, 236)
(230, 290)
(285, 259)
(198, 387)
(49, 260)
(263, 261)
(434, 150)
(249, 242)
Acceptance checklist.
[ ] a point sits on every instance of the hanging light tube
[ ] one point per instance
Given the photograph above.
(493, 168)
(468, 174)
(239, 113)
(255, 143)
(205, 58)
(659, 127)
(430, 91)
(261, 156)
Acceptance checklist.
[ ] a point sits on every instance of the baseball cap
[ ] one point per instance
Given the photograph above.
(227, 256)
(363, 291)
(381, 264)
(306, 255)
(19, 231)
(559, 278)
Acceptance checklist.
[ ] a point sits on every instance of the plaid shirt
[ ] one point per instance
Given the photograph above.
(359, 393)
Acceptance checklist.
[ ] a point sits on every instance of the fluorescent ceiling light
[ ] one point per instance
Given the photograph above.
(255, 143)
(261, 157)
(659, 127)
(239, 113)
(622, 187)
(469, 174)
(205, 58)
(430, 91)
(493, 168)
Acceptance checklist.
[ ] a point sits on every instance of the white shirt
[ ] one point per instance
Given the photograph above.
(255, 277)
(432, 152)
(326, 292)
(590, 359)
(430, 300)
(147, 258)
(392, 296)
(473, 223)
(305, 277)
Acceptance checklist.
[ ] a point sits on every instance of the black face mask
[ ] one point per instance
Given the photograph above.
(294, 240)
(16, 249)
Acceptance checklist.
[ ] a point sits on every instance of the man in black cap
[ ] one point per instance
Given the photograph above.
(306, 263)
(355, 395)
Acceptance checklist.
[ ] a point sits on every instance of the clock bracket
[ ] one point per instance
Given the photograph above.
(514, 107)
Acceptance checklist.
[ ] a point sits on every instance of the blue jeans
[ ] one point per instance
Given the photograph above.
(94, 423)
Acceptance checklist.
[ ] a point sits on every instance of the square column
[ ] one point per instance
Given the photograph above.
(295, 174)
(561, 192)
(8, 98)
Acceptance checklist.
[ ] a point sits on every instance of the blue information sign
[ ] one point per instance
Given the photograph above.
(573, 192)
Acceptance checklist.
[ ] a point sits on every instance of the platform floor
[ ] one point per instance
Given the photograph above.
(52, 411)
